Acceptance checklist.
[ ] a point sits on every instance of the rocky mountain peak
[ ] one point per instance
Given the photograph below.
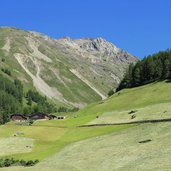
(91, 45)
(97, 44)
(95, 49)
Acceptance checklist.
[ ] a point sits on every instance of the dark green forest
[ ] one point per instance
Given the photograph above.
(13, 99)
(152, 68)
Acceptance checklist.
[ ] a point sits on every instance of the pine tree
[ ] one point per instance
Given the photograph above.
(166, 69)
(158, 70)
(137, 74)
(151, 68)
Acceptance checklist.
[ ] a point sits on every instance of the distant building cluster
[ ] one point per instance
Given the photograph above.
(34, 116)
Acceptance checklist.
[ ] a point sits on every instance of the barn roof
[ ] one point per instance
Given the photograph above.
(17, 114)
(39, 113)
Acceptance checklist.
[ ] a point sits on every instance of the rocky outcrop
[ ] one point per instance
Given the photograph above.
(98, 47)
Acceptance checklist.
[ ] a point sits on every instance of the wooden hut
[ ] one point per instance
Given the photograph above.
(52, 117)
(18, 117)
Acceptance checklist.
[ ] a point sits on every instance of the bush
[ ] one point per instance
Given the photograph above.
(31, 122)
(110, 93)
(3, 60)
(6, 71)
(29, 163)
(10, 162)
(62, 109)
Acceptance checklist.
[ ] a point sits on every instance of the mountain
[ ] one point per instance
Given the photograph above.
(69, 72)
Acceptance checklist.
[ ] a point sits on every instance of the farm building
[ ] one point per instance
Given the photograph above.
(18, 117)
(39, 115)
(56, 117)
(34, 116)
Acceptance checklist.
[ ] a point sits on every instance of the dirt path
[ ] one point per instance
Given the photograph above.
(39, 83)
(36, 53)
(76, 73)
(7, 46)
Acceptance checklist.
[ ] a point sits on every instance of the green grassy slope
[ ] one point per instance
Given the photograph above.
(151, 101)
(48, 140)
(69, 147)
(119, 151)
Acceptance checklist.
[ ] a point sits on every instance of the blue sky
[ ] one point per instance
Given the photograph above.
(140, 27)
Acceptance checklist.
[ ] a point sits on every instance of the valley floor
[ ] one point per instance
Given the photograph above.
(120, 150)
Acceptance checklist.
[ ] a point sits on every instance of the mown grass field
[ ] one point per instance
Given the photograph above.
(13, 145)
(117, 151)
(49, 140)
(62, 145)
(44, 138)
(151, 112)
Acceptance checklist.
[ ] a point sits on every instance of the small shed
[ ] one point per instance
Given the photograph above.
(52, 117)
(18, 117)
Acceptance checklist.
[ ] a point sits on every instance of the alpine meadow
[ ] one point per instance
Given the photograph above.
(72, 100)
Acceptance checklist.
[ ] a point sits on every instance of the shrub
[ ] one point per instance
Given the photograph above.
(110, 93)
(3, 60)
(10, 161)
(31, 122)
(6, 71)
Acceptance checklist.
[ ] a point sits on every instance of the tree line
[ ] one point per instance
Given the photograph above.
(13, 99)
(152, 68)
(37, 102)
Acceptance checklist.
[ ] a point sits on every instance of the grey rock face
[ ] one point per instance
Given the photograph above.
(98, 47)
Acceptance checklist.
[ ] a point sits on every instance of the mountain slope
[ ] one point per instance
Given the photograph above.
(149, 102)
(69, 72)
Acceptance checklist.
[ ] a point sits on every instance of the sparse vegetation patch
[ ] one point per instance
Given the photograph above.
(12, 162)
